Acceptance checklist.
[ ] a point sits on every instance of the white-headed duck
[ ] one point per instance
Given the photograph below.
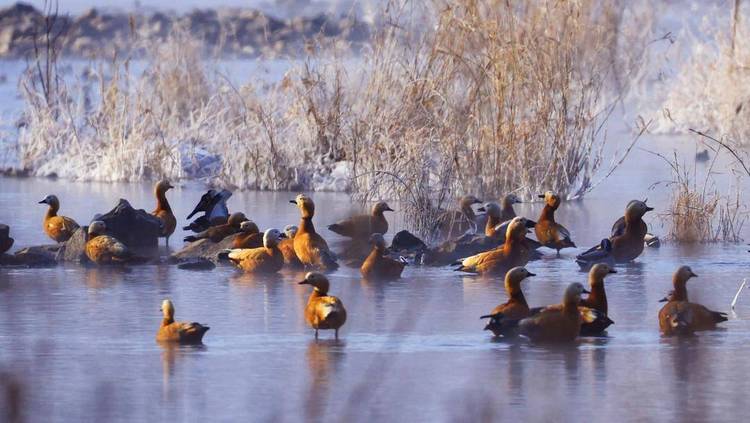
(454, 223)
(550, 233)
(104, 249)
(163, 211)
(249, 236)
(5, 240)
(557, 323)
(596, 300)
(323, 311)
(266, 259)
(59, 228)
(180, 332)
(514, 252)
(681, 317)
(311, 249)
(378, 265)
(287, 247)
(505, 317)
(362, 226)
(218, 233)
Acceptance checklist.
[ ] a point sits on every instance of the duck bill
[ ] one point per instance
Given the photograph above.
(648, 209)
(293, 202)
(482, 209)
(389, 209)
(664, 300)
(612, 271)
(540, 195)
(530, 274)
(303, 283)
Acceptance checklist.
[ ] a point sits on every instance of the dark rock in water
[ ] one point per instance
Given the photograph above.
(134, 228)
(41, 256)
(74, 249)
(406, 241)
(5, 240)
(197, 264)
(202, 249)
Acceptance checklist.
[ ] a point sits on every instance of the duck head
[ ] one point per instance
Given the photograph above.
(514, 277)
(636, 209)
(684, 273)
(318, 281)
(598, 272)
(551, 199)
(378, 242)
(306, 206)
(236, 219)
(167, 309)
(272, 237)
(509, 200)
(573, 293)
(492, 209)
(249, 227)
(290, 231)
(52, 201)
(468, 200)
(162, 186)
(380, 207)
(97, 228)
(518, 228)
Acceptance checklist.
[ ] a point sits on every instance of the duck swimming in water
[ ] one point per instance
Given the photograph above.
(5, 240)
(323, 311)
(311, 249)
(514, 252)
(213, 204)
(266, 259)
(505, 317)
(378, 265)
(286, 245)
(59, 228)
(179, 332)
(454, 223)
(218, 233)
(249, 236)
(681, 317)
(556, 323)
(550, 233)
(597, 300)
(163, 211)
(104, 249)
(362, 226)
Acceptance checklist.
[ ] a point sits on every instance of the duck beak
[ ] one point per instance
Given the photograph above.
(540, 195)
(663, 300)
(648, 209)
(293, 201)
(283, 235)
(693, 275)
(43, 202)
(170, 186)
(305, 282)
(586, 291)
(482, 209)
(612, 271)
(529, 274)
(389, 209)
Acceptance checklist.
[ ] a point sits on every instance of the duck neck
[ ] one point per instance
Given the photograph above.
(597, 298)
(548, 213)
(517, 295)
(167, 321)
(52, 210)
(680, 290)
(306, 225)
(489, 228)
(508, 210)
(161, 201)
(631, 223)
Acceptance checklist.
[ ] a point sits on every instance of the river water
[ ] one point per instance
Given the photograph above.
(78, 343)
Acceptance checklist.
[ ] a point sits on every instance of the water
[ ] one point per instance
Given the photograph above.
(80, 342)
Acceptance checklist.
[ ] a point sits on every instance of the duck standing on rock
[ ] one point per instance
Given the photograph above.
(681, 317)
(505, 317)
(556, 323)
(59, 228)
(323, 311)
(5, 240)
(378, 265)
(311, 249)
(104, 249)
(596, 300)
(163, 211)
(218, 233)
(550, 233)
(514, 252)
(362, 226)
(179, 332)
(266, 259)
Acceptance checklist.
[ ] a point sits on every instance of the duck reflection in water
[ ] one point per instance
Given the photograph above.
(323, 360)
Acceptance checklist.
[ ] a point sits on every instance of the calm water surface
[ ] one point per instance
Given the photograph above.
(80, 342)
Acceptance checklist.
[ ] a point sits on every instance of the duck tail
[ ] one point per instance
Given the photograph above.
(719, 316)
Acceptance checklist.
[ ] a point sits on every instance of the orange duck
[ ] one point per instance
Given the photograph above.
(180, 332)
(323, 311)
(378, 265)
(249, 236)
(266, 259)
(597, 300)
(492, 227)
(557, 323)
(514, 252)
(311, 249)
(505, 317)
(163, 210)
(59, 228)
(5, 240)
(362, 226)
(218, 233)
(455, 223)
(681, 317)
(287, 247)
(550, 233)
(104, 249)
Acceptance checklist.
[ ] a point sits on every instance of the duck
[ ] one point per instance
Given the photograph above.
(362, 226)
(557, 323)
(249, 236)
(59, 228)
(514, 252)
(213, 204)
(218, 233)
(454, 223)
(596, 300)
(323, 311)
(311, 249)
(550, 233)
(104, 249)
(681, 317)
(265, 259)
(378, 265)
(493, 213)
(625, 244)
(507, 212)
(180, 332)
(163, 211)
(505, 317)
(5, 240)
(286, 245)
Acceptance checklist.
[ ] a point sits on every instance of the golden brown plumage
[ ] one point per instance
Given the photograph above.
(560, 323)
(323, 311)
(550, 233)
(286, 246)
(378, 265)
(59, 228)
(505, 317)
(104, 249)
(163, 210)
(180, 332)
(514, 252)
(311, 249)
(627, 239)
(218, 233)
(266, 259)
(362, 226)
(493, 220)
(681, 317)
(249, 236)
(596, 323)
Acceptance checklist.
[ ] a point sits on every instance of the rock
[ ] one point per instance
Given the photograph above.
(197, 264)
(40, 256)
(202, 249)
(74, 249)
(134, 228)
